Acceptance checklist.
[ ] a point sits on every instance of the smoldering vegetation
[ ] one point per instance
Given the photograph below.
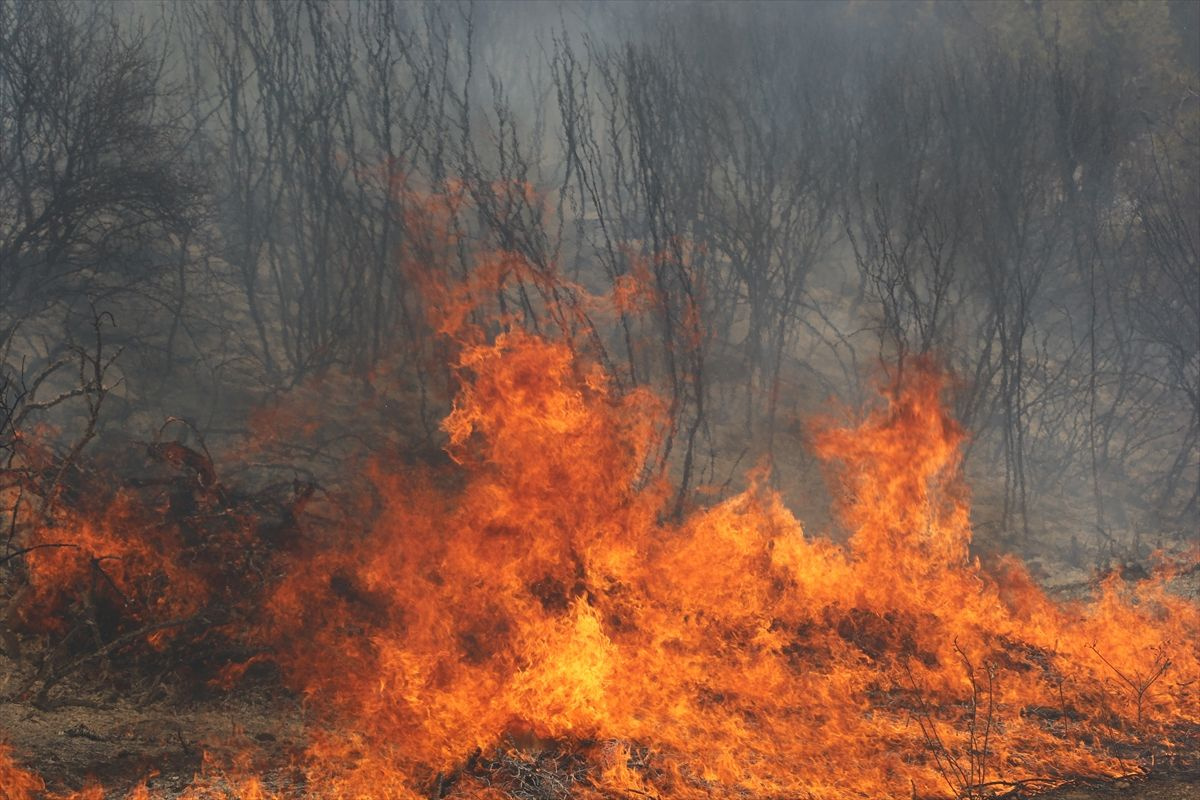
(205, 208)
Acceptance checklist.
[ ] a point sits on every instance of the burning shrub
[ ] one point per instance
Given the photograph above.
(545, 598)
(164, 568)
(539, 624)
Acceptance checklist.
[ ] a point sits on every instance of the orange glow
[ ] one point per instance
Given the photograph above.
(537, 603)
(543, 605)
(15, 782)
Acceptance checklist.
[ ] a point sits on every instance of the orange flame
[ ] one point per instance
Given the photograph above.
(544, 603)
(535, 611)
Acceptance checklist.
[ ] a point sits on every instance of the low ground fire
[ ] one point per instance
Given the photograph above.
(533, 622)
(599, 400)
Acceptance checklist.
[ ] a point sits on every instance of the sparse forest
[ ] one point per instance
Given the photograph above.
(276, 276)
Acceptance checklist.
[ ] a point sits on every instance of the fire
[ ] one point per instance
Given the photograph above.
(546, 605)
(16, 783)
(537, 612)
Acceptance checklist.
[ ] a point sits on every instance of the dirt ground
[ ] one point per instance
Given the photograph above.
(119, 743)
(1156, 787)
